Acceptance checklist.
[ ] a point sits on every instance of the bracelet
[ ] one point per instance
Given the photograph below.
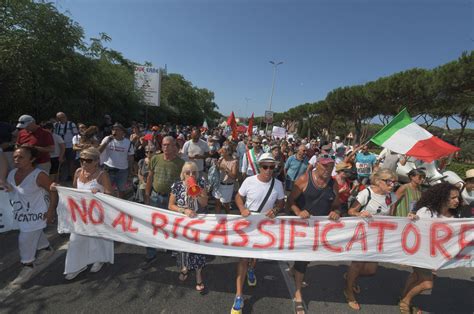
(275, 211)
(181, 210)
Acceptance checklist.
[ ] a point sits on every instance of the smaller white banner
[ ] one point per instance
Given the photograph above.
(7, 221)
(278, 132)
(147, 80)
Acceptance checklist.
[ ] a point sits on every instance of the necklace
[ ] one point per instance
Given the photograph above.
(87, 177)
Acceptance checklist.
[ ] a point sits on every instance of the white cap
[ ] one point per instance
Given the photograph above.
(337, 138)
(24, 121)
(266, 157)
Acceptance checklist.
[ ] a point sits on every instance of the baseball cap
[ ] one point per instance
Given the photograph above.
(24, 121)
(326, 158)
(337, 138)
(266, 157)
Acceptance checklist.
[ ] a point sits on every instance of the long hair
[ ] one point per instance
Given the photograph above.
(436, 197)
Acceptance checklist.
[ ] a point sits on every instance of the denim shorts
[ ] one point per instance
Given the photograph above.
(119, 178)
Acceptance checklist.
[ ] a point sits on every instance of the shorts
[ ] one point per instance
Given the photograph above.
(69, 154)
(29, 243)
(224, 193)
(289, 184)
(300, 266)
(119, 178)
(54, 165)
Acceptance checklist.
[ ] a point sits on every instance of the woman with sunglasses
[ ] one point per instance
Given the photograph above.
(86, 250)
(180, 201)
(142, 174)
(408, 194)
(439, 201)
(377, 199)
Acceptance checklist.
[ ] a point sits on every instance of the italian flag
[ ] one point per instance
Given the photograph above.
(404, 136)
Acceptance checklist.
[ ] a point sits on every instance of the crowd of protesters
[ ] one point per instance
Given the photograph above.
(262, 175)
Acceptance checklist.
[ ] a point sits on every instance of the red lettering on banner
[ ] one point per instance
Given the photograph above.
(159, 226)
(238, 226)
(195, 232)
(269, 234)
(126, 222)
(462, 241)
(177, 221)
(282, 234)
(411, 228)
(324, 241)
(316, 236)
(94, 204)
(382, 226)
(360, 235)
(294, 233)
(219, 231)
(73, 207)
(436, 244)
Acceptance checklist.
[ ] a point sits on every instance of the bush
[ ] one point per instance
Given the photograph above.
(459, 168)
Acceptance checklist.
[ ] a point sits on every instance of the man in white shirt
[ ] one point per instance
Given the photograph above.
(252, 199)
(196, 150)
(249, 163)
(118, 157)
(66, 129)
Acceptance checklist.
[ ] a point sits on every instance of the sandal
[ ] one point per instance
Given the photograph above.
(201, 288)
(183, 275)
(299, 307)
(355, 288)
(353, 304)
(406, 308)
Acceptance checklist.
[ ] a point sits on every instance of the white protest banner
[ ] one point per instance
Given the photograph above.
(147, 80)
(433, 244)
(278, 132)
(7, 221)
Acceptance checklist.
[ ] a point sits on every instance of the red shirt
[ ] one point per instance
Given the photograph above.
(343, 183)
(39, 138)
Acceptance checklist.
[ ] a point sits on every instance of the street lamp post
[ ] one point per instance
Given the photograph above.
(275, 64)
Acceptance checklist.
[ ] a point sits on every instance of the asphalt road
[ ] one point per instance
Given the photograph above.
(124, 288)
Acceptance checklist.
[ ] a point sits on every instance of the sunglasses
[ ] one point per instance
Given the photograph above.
(328, 156)
(265, 167)
(258, 143)
(389, 182)
(148, 151)
(190, 172)
(86, 160)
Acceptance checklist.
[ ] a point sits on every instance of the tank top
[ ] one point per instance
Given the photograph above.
(92, 184)
(29, 201)
(317, 200)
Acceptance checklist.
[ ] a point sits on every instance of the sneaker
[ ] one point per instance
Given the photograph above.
(43, 254)
(24, 275)
(148, 262)
(238, 305)
(251, 278)
(96, 267)
(73, 275)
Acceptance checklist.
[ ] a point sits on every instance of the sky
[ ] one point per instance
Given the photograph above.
(226, 46)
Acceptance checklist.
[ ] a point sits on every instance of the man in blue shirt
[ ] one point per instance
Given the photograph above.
(365, 163)
(295, 166)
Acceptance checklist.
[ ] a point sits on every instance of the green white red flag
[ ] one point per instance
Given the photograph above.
(404, 136)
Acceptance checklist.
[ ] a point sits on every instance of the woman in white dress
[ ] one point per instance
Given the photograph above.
(85, 250)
